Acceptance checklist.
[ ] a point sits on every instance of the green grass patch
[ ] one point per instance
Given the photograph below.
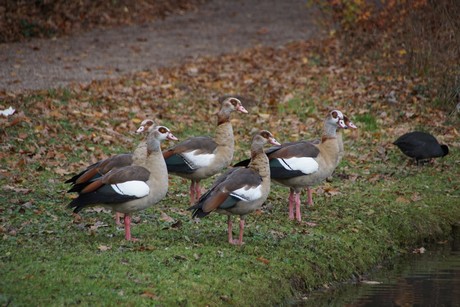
(296, 104)
(60, 262)
(367, 121)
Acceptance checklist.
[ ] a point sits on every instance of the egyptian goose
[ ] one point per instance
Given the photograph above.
(240, 190)
(130, 188)
(421, 146)
(201, 157)
(303, 164)
(100, 168)
(348, 124)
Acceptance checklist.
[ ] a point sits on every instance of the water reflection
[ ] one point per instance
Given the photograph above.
(429, 279)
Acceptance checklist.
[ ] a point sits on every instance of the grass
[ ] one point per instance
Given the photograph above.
(294, 104)
(378, 206)
(60, 262)
(367, 121)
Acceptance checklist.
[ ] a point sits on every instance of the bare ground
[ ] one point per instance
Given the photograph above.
(216, 27)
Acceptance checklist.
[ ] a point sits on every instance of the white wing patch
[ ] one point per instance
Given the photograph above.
(246, 194)
(306, 165)
(135, 188)
(198, 160)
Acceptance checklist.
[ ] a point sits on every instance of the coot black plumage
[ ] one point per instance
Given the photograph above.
(421, 146)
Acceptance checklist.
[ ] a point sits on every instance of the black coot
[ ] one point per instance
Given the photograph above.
(421, 146)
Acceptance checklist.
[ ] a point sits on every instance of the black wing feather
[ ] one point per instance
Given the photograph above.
(103, 195)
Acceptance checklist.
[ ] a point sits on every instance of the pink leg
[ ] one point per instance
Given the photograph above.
(192, 192)
(230, 237)
(197, 190)
(297, 206)
(240, 241)
(117, 218)
(291, 204)
(310, 197)
(127, 220)
(229, 223)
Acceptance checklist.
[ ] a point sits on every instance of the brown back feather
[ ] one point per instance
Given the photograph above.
(300, 149)
(203, 144)
(93, 186)
(214, 201)
(90, 173)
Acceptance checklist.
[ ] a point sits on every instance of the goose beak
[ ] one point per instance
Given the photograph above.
(341, 124)
(241, 109)
(172, 137)
(351, 125)
(273, 141)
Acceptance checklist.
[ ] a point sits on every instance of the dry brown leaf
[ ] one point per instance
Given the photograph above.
(166, 218)
(149, 294)
(416, 197)
(16, 189)
(402, 200)
(62, 171)
(104, 248)
(263, 260)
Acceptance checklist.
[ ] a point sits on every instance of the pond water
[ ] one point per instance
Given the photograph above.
(431, 278)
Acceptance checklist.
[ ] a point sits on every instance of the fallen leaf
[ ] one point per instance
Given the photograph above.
(98, 210)
(17, 190)
(416, 197)
(402, 200)
(264, 116)
(149, 294)
(104, 248)
(97, 225)
(263, 260)
(374, 178)
(166, 218)
(76, 218)
(330, 191)
(402, 52)
(143, 248)
(62, 171)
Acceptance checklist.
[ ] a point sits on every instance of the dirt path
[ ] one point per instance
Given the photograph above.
(219, 26)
